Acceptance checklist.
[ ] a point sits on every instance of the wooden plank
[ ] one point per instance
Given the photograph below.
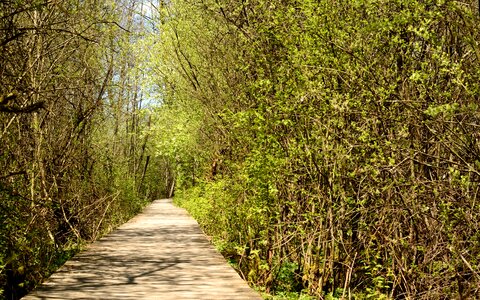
(159, 254)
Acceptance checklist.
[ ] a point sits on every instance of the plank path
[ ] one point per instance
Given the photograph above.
(159, 254)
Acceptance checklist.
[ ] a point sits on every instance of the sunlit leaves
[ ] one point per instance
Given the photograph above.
(341, 128)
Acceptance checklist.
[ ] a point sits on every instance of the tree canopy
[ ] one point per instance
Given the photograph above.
(338, 148)
(74, 159)
(330, 148)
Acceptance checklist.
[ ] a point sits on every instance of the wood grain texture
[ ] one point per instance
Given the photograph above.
(159, 254)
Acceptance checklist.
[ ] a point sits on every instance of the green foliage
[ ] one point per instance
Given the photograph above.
(77, 163)
(338, 141)
(174, 131)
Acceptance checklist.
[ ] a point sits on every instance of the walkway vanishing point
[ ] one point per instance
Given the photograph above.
(159, 254)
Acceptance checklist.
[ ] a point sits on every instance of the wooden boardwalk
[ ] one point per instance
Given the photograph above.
(159, 254)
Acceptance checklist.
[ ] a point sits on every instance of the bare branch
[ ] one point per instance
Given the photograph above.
(27, 109)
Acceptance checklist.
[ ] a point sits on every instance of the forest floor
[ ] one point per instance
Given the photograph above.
(159, 254)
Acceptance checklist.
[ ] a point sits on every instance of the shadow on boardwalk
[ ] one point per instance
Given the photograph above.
(160, 254)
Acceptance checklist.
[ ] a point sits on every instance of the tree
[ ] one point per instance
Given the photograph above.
(347, 140)
(65, 179)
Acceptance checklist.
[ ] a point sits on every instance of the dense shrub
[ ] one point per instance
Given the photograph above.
(341, 141)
